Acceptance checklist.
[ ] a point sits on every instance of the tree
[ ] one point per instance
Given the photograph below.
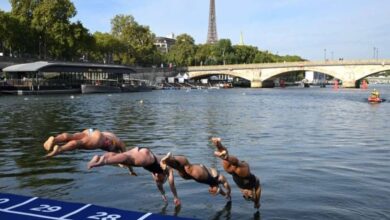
(81, 42)
(202, 55)
(183, 51)
(223, 51)
(23, 9)
(15, 36)
(107, 48)
(245, 54)
(52, 20)
(138, 40)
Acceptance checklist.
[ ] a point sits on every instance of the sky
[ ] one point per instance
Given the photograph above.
(311, 29)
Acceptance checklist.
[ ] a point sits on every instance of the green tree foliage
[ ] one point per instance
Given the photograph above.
(203, 55)
(52, 20)
(15, 36)
(23, 9)
(107, 48)
(183, 51)
(224, 51)
(81, 42)
(137, 39)
(245, 54)
(45, 29)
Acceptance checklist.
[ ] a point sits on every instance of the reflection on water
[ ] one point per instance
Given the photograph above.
(224, 213)
(319, 153)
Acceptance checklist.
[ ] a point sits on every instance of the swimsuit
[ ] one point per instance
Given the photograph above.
(211, 181)
(248, 182)
(155, 166)
(109, 144)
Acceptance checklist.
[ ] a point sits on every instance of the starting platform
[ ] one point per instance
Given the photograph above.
(16, 207)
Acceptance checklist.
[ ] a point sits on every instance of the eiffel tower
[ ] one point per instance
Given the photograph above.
(212, 36)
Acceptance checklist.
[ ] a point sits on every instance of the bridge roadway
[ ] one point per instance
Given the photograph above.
(348, 71)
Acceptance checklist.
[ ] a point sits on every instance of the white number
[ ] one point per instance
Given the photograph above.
(4, 200)
(46, 208)
(104, 216)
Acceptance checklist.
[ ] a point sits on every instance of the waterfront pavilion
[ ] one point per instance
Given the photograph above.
(61, 77)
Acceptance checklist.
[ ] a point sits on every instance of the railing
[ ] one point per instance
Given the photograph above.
(291, 64)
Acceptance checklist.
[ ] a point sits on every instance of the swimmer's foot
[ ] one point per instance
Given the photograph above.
(217, 143)
(222, 154)
(215, 140)
(49, 143)
(163, 162)
(56, 150)
(95, 161)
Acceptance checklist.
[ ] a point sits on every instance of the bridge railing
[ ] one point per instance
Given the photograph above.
(291, 64)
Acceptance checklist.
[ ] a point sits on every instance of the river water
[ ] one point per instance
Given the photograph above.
(320, 153)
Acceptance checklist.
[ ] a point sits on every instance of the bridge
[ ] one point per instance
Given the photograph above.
(348, 71)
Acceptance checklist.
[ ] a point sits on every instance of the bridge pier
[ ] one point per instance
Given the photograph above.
(349, 84)
(256, 83)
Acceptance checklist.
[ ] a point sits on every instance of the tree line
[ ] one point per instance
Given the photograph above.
(42, 29)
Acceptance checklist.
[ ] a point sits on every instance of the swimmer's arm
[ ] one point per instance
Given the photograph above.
(161, 189)
(173, 187)
(226, 185)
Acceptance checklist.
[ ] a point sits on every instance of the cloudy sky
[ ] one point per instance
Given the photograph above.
(312, 29)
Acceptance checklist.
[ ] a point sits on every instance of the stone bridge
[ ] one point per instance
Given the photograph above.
(348, 71)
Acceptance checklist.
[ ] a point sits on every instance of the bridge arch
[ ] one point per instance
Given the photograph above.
(224, 72)
(347, 71)
(271, 74)
(373, 71)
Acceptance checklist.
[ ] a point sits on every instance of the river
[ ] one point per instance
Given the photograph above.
(319, 153)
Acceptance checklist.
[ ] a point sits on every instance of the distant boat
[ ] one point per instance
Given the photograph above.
(137, 85)
(375, 100)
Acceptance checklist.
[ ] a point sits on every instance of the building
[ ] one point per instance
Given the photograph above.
(56, 77)
(164, 44)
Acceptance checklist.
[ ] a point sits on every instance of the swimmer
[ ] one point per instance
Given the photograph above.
(199, 173)
(248, 183)
(140, 157)
(88, 139)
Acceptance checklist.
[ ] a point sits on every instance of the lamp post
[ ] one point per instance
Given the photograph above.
(324, 54)
(377, 53)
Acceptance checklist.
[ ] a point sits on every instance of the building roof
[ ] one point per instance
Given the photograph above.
(44, 66)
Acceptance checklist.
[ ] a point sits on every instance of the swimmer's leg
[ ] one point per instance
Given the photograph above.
(163, 162)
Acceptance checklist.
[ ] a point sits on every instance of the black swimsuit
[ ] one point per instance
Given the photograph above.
(155, 166)
(248, 182)
(211, 181)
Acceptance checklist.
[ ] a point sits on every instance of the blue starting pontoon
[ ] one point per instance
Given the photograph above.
(15, 207)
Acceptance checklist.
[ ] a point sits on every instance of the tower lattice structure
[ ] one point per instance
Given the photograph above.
(212, 36)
